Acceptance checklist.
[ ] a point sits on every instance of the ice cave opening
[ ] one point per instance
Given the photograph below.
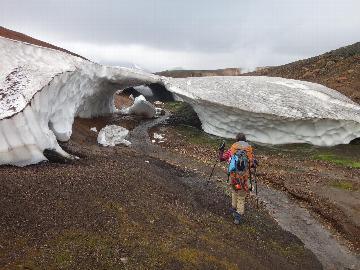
(355, 141)
(152, 92)
(86, 125)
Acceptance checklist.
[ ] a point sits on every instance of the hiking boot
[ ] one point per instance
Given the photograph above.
(237, 218)
(233, 211)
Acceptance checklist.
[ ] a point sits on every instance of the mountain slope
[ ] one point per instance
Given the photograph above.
(338, 69)
(7, 33)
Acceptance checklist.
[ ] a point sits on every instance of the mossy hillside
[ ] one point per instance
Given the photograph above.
(338, 160)
(174, 106)
(344, 185)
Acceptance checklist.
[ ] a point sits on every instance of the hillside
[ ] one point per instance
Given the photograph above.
(200, 73)
(338, 69)
(7, 33)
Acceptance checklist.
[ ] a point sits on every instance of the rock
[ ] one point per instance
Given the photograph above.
(307, 75)
(322, 71)
(341, 79)
(330, 64)
(124, 259)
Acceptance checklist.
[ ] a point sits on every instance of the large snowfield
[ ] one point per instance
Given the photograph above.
(43, 90)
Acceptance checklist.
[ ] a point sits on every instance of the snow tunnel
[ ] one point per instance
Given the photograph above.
(152, 92)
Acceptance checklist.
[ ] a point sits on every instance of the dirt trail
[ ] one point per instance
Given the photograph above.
(288, 213)
(297, 220)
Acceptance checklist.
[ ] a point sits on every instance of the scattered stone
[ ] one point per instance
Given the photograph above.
(329, 64)
(158, 136)
(124, 259)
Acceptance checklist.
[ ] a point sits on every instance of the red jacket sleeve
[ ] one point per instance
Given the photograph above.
(225, 156)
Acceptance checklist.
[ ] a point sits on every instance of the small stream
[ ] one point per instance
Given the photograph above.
(288, 213)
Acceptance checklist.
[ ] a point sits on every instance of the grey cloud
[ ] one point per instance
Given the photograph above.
(272, 32)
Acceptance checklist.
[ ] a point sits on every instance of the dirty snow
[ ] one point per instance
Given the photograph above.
(158, 136)
(140, 107)
(112, 135)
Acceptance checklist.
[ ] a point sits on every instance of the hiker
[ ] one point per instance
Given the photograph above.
(241, 159)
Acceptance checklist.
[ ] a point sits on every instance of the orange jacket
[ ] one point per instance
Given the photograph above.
(241, 145)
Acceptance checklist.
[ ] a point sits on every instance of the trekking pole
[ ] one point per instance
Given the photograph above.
(222, 146)
(256, 188)
(250, 178)
(212, 171)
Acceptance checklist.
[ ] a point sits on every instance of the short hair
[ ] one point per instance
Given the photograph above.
(240, 137)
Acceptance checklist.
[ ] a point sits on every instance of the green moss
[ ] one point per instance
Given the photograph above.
(344, 185)
(63, 259)
(174, 106)
(249, 229)
(193, 258)
(73, 248)
(195, 136)
(338, 160)
(288, 251)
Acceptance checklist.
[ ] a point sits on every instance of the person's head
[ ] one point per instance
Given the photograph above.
(240, 137)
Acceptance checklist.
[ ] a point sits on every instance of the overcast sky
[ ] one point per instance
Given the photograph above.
(196, 34)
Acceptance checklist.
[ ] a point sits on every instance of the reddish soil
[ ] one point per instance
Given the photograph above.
(122, 101)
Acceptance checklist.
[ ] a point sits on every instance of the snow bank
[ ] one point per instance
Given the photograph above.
(270, 110)
(141, 107)
(113, 135)
(42, 90)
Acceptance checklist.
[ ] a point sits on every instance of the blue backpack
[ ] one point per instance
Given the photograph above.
(239, 162)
